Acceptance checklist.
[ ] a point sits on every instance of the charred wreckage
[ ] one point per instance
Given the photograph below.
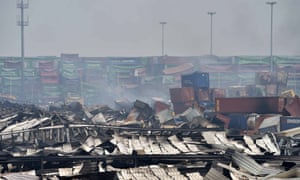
(141, 141)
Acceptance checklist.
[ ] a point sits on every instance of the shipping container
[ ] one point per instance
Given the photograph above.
(260, 105)
(179, 95)
(14, 64)
(217, 93)
(238, 121)
(49, 72)
(196, 79)
(289, 122)
(270, 124)
(49, 80)
(202, 94)
(46, 65)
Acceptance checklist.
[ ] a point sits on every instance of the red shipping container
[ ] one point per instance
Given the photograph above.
(179, 95)
(46, 64)
(49, 80)
(49, 72)
(260, 105)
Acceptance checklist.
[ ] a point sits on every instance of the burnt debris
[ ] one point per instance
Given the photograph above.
(143, 141)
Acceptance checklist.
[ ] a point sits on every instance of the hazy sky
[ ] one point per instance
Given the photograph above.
(131, 27)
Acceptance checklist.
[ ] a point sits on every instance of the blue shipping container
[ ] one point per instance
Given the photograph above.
(289, 122)
(196, 80)
(238, 121)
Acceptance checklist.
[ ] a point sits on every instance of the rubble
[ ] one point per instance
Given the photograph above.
(71, 140)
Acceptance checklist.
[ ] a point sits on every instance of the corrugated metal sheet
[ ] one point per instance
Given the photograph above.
(214, 174)
(247, 163)
(20, 176)
(194, 176)
(270, 124)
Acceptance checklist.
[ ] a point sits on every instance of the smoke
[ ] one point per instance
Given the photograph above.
(131, 28)
(287, 36)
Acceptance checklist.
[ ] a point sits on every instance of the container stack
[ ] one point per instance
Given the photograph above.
(11, 79)
(274, 83)
(195, 92)
(182, 99)
(49, 79)
(93, 80)
(122, 72)
(290, 65)
(70, 78)
(31, 85)
(71, 75)
(199, 81)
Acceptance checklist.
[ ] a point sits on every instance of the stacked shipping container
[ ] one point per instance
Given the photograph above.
(49, 81)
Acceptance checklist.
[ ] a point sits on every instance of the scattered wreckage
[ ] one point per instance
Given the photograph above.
(138, 141)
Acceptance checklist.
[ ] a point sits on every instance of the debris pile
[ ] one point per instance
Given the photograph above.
(74, 141)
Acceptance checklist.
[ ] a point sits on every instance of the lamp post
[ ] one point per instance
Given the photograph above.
(271, 35)
(162, 37)
(211, 26)
(22, 23)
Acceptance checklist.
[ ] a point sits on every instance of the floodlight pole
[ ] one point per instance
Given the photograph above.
(211, 30)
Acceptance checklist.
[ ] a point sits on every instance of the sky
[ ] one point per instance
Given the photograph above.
(131, 27)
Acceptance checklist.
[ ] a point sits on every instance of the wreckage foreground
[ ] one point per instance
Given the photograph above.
(144, 142)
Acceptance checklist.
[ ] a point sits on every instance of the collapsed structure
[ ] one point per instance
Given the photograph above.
(141, 141)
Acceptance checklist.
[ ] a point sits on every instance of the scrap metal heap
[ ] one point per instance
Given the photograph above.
(73, 141)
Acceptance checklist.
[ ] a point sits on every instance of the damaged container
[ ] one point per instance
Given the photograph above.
(179, 95)
(260, 105)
